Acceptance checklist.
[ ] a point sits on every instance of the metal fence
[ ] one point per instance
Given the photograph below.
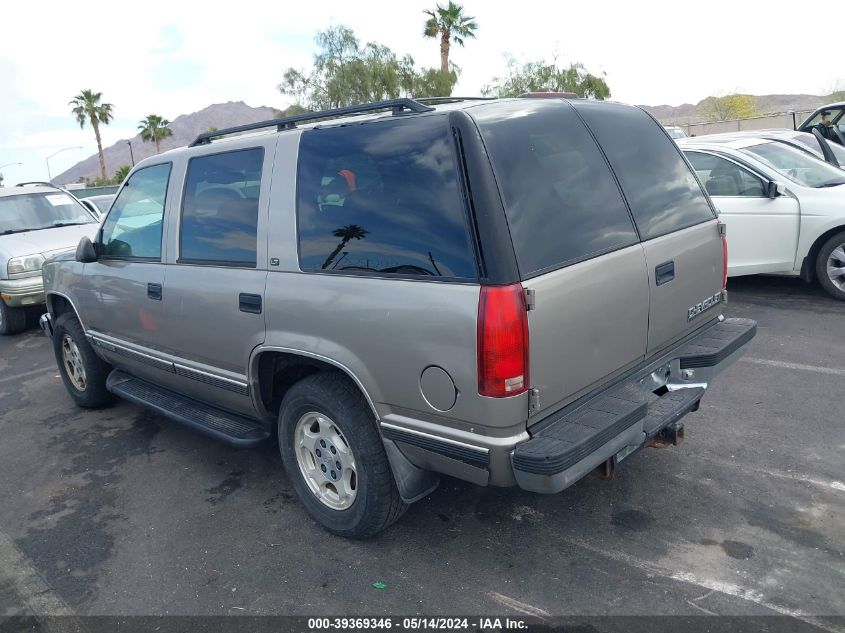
(784, 120)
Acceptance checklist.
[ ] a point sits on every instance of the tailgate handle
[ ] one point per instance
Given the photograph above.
(249, 303)
(664, 273)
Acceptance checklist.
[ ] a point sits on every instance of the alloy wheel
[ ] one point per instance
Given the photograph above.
(326, 461)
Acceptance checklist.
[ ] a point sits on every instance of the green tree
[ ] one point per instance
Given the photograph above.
(121, 174)
(728, 107)
(87, 108)
(541, 76)
(838, 92)
(345, 233)
(450, 24)
(346, 73)
(154, 129)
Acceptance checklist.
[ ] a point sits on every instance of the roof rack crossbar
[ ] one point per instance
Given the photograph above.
(286, 123)
(452, 99)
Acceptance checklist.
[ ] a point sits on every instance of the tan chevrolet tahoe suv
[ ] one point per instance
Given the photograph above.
(510, 292)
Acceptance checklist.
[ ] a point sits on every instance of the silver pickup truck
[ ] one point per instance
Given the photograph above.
(511, 292)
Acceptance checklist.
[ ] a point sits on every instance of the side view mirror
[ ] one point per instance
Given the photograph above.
(85, 251)
(775, 189)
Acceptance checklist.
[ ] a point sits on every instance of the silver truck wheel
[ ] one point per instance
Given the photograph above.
(72, 362)
(326, 461)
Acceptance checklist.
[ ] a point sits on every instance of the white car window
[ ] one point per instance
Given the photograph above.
(796, 165)
(722, 177)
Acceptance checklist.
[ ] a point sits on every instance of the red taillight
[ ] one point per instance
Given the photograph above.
(724, 261)
(502, 341)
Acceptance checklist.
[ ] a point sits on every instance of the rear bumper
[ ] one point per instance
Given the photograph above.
(613, 424)
(18, 293)
(560, 449)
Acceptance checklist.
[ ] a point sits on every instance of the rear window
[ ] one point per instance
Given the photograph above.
(662, 192)
(220, 208)
(561, 200)
(383, 199)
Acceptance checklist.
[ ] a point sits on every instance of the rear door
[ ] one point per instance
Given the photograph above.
(762, 231)
(677, 225)
(575, 244)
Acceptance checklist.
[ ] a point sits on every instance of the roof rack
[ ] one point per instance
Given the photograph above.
(437, 100)
(287, 123)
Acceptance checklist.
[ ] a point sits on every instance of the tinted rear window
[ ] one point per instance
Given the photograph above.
(382, 198)
(561, 200)
(662, 192)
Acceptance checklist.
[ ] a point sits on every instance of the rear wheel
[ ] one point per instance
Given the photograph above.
(335, 458)
(12, 320)
(830, 266)
(83, 372)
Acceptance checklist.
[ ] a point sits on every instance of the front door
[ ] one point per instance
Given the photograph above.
(120, 295)
(762, 231)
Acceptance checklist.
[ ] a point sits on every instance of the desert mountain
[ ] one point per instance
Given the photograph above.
(185, 129)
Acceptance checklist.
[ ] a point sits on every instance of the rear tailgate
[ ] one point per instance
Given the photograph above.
(692, 257)
(675, 220)
(575, 244)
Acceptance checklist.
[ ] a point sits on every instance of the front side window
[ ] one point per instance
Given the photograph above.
(722, 177)
(561, 201)
(133, 226)
(382, 198)
(662, 192)
(220, 208)
(37, 211)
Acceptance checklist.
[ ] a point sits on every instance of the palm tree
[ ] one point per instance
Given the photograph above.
(345, 233)
(121, 174)
(451, 25)
(155, 128)
(87, 107)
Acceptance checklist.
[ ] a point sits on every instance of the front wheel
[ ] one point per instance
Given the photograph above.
(830, 266)
(12, 320)
(83, 372)
(335, 458)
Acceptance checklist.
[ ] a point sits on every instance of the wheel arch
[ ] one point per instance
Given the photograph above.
(808, 266)
(59, 304)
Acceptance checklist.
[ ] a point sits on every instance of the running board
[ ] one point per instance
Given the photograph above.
(231, 428)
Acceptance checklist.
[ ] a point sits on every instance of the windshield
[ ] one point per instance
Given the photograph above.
(34, 211)
(796, 165)
(676, 132)
(810, 142)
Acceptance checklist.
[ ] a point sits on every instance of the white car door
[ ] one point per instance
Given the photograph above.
(762, 230)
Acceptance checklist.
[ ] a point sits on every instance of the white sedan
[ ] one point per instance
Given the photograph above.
(784, 208)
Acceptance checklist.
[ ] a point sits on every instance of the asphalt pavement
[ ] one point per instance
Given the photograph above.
(123, 512)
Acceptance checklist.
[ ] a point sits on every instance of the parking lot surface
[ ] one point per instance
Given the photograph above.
(121, 511)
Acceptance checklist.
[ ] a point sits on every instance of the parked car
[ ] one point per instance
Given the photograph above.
(783, 207)
(98, 204)
(675, 132)
(829, 120)
(36, 223)
(812, 143)
(511, 292)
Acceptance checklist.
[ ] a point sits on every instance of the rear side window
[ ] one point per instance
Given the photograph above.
(561, 201)
(382, 198)
(220, 208)
(662, 192)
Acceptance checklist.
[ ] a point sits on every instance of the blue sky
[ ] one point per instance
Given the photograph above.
(174, 58)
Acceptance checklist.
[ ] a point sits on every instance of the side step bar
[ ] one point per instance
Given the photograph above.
(231, 428)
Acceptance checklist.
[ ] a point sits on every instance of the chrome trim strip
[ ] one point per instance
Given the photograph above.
(437, 438)
(211, 379)
(131, 353)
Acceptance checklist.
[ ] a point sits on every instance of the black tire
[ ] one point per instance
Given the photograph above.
(94, 394)
(821, 265)
(12, 320)
(377, 503)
